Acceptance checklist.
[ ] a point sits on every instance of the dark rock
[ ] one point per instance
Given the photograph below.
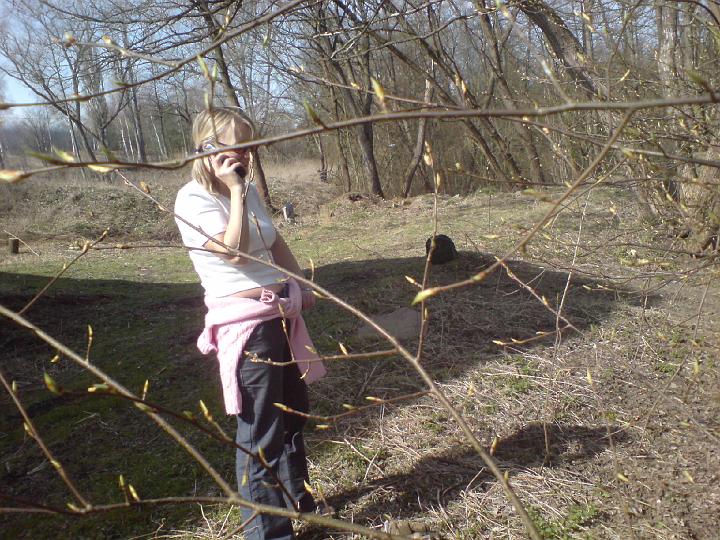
(444, 249)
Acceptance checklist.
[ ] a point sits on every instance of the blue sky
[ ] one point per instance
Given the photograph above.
(16, 92)
(13, 91)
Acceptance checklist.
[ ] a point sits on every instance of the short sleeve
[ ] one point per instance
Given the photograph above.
(201, 210)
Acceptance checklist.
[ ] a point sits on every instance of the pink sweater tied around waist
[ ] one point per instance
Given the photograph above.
(229, 323)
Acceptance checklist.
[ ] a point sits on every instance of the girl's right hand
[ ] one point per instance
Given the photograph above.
(229, 168)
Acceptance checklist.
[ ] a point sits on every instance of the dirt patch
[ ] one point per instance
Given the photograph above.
(403, 323)
(348, 204)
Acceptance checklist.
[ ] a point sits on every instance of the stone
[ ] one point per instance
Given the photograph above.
(403, 323)
(444, 249)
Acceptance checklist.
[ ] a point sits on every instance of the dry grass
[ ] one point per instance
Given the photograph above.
(69, 206)
(607, 432)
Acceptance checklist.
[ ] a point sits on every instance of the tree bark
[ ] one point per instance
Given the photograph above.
(340, 145)
(323, 162)
(568, 50)
(667, 18)
(564, 45)
(360, 106)
(137, 124)
(507, 97)
(231, 93)
(473, 130)
(419, 145)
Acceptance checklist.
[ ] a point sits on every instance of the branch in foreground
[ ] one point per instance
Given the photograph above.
(335, 357)
(33, 432)
(86, 247)
(522, 244)
(108, 166)
(402, 351)
(177, 65)
(352, 409)
(331, 523)
(411, 359)
(231, 497)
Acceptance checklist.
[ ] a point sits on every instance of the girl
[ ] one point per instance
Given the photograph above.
(253, 313)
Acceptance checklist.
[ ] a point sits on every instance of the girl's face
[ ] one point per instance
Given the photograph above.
(234, 133)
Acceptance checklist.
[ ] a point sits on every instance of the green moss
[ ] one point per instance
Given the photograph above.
(515, 385)
(665, 367)
(567, 528)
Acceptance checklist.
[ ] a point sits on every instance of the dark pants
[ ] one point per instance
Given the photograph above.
(279, 434)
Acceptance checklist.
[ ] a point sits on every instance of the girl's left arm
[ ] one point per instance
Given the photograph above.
(284, 258)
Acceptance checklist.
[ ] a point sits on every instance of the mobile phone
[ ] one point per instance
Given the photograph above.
(209, 147)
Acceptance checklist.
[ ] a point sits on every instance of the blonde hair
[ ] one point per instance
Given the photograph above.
(206, 125)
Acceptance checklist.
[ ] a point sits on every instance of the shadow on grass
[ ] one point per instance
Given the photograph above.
(440, 478)
(146, 331)
(465, 324)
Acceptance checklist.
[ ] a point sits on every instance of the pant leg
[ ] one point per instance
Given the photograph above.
(293, 463)
(262, 425)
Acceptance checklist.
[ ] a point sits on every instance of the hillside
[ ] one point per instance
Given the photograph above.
(607, 428)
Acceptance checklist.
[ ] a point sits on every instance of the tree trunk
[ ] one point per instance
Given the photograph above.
(340, 145)
(162, 136)
(231, 93)
(507, 97)
(366, 131)
(137, 124)
(564, 45)
(75, 146)
(363, 132)
(473, 130)
(181, 129)
(124, 141)
(568, 50)
(161, 148)
(365, 138)
(323, 163)
(667, 18)
(419, 145)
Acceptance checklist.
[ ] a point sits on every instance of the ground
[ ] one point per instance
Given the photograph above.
(606, 429)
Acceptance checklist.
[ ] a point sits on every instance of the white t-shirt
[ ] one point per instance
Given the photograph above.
(211, 213)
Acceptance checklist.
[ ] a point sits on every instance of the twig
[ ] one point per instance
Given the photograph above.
(64, 268)
(33, 432)
(254, 23)
(310, 517)
(350, 356)
(121, 390)
(241, 526)
(411, 359)
(352, 410)
(433, 245)
(629, 107)
(23, 242)
(541, 299)
(522, 244)
(219, 434)
(28, 506)
(682, 364)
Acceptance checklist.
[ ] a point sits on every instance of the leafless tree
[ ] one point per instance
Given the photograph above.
(518, 95)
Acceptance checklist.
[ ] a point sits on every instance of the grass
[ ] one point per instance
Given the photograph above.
(404, 461)
(564, 528)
